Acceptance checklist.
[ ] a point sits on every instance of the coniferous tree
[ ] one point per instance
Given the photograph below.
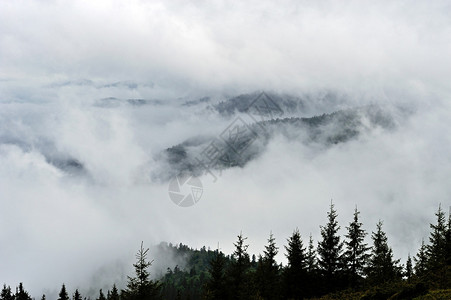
(141, 287)
(312, 262)
(254, 262)
(21, 294)
(216, 288)
(6, 293)
(43, 297)
(409, 268)
(63, 293)
(312, 281)
(114, 294)
(448, 240)
(77, 295)
(437, 242)
(101, 295)
(267, 273)
(421, 260)
(238, 270)
(356, 253)
(295, 274)
(330, 252)
(382, 267)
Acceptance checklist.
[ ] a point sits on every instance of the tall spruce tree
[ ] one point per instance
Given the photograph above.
(436, 250)
(311, 260)
(421, 260)
(238, 271)
(448, 240)
(312, 281)
(330, 248)
(215, 287)
(141, 287)
(267, 273)
(295, 273)
(356, 252)
(382, 267)
(63, 293)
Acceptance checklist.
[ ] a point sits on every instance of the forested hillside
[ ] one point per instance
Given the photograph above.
(335, 267)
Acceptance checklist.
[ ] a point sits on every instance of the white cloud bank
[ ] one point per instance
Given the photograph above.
(58, 58)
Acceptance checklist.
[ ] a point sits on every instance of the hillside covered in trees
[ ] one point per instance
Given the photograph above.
(336, 267)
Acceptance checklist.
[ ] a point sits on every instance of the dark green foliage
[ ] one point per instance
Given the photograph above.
(436, 250)
(267, 275)
(114, 294)
(382, 267)
(21, 294)
(295, 274)
(238, 271)
(312, 283)
(189, 281)
(421, 260)
(6, 293)
(77, 295)
(330, 259)
(63, 293)
(356, 253)
(254, 262)
(409, 268)
(448, 240)
(101, 295)
(43, 297)
(312, 262)
(141, 287)
(216, 286)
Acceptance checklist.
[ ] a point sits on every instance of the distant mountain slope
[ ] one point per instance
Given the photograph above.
(291, 105)
(241, 143)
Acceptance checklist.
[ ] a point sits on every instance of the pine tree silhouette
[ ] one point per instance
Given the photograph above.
(237, 272)
(77, 295)
(436, 250)
(421, 260)
(295, 273)
(101, 295)
(114, 294)
(330, 250)
(141, 287)
(356, 253)
(21, 294)
(63, 293)
(267, 273)
(409, 268)
(6, 293)
(382, 267)
(216, 288)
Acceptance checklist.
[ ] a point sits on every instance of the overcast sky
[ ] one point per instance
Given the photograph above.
(58, 59)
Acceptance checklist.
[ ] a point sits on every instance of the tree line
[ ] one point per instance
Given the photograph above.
(335, 267)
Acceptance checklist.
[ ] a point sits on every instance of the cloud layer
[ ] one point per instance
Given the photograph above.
(67, 70)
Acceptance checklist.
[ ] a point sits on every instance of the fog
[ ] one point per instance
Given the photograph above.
(76, 156)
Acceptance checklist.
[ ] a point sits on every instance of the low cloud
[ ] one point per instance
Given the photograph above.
(63, 64)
